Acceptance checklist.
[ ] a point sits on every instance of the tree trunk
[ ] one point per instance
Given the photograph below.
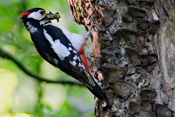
(134, 57)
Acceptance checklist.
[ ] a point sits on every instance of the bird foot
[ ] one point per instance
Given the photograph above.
(97, 27)
(104, 104)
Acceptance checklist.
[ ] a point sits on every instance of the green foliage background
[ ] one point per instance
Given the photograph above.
(22, 96)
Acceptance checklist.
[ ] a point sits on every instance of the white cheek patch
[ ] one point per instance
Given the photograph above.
(60, 49)
(36, 16)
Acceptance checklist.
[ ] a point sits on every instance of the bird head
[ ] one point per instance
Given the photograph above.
(35, 13)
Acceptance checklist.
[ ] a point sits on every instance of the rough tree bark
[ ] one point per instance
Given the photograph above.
(134, 56)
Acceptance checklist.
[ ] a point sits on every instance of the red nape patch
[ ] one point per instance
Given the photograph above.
(25, 14)
(83, 57)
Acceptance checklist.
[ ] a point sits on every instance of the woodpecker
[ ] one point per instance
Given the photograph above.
(60, 48)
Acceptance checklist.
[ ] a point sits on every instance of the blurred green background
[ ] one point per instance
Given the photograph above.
(21, 95)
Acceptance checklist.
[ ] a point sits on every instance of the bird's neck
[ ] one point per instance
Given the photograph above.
(32, 25)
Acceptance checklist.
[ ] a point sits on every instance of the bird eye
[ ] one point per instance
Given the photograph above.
(41, 12)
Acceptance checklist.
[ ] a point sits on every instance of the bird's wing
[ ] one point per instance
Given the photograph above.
(78, 41)
(70, 62)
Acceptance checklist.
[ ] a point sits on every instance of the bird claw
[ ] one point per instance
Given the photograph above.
(104, 104)
(51, 16)
(98, 28)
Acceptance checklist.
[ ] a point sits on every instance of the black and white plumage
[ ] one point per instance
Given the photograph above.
(59, 47)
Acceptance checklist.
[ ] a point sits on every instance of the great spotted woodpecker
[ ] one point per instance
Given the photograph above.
(60, 48)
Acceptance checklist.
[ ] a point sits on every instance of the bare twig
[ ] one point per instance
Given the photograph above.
(7, 55)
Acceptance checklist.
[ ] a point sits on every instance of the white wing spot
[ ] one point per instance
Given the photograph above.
(60, 49)
(78, 59)
(75, 57)
(74, 51)
(73, 63)
(81, 65)
(70, 48)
